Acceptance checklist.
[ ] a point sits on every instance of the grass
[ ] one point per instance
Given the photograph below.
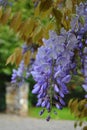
(63, 114)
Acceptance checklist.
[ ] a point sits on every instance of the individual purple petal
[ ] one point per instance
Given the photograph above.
(45, 86)
(59, 69)
(40, 95)
(61, 94)
(72, 41)
(14, 76)
(58, 106)
(66, 79)
(56, 89)
(25, 48)
(39, 102)
(48, 105)
(64, 89)
(73, 65)
(85, 50)
(86, 41)
(85, 81)
(81, 45)
(43, 104)
(62, 101)
(84, 87)
(86, 96)
(19, 73)
(13, 81)
(48, 118)
(56, 96)
(41, 112)
(36, 89)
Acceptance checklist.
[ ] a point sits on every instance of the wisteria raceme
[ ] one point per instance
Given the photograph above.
(81, 10)
(23, 72)
(5, 3)
(79, 27)
(56, 60)
(51, 69)
(85, 71)
(80, 20)
(18, 75)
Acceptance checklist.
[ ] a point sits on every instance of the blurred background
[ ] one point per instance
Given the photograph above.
(9, 40)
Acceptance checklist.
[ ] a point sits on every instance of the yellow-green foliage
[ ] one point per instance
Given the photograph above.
(79, 109)
(33, 29)
(47, 15)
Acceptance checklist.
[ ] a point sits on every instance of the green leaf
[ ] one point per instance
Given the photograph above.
(82, 20)
(11, 59)
(38, 33)
(27, 57)
(45, 5)
(16, 21)
(37, 11)
(69, 4)
(26, 28)
(85, 128)
(75, 124)
(45, 13)
(57, 14)
(58, 17)
(5, 16)
(0, 12)
(70, 103)
(80, 123)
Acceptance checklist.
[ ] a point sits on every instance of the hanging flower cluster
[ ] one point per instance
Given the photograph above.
(52, 69)
(19, 74)
(56, 61)
(23, 72)
(79, 28)
(5, 3)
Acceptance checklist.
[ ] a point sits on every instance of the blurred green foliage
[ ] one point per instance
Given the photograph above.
(9, 40)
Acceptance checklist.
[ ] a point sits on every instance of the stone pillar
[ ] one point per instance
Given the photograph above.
(17, 99)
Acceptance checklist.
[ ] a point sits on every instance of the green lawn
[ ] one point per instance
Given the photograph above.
(63, 114)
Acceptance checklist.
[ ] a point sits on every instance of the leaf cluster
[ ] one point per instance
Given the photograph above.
(79, 109)
(47, 15)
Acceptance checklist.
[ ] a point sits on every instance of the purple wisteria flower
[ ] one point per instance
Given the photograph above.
(5, 3)
(79, 21)
(81, 10)
(85, 71)
(25, 48)
(51, 69)
(23, 72)
(19, 74)
(79, 27)
(56, 61)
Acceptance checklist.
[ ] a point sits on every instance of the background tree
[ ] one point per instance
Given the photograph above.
(45, 16)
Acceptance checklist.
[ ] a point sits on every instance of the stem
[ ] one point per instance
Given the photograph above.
(51, 87)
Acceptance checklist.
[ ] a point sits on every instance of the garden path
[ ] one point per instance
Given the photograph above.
(13, 122)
